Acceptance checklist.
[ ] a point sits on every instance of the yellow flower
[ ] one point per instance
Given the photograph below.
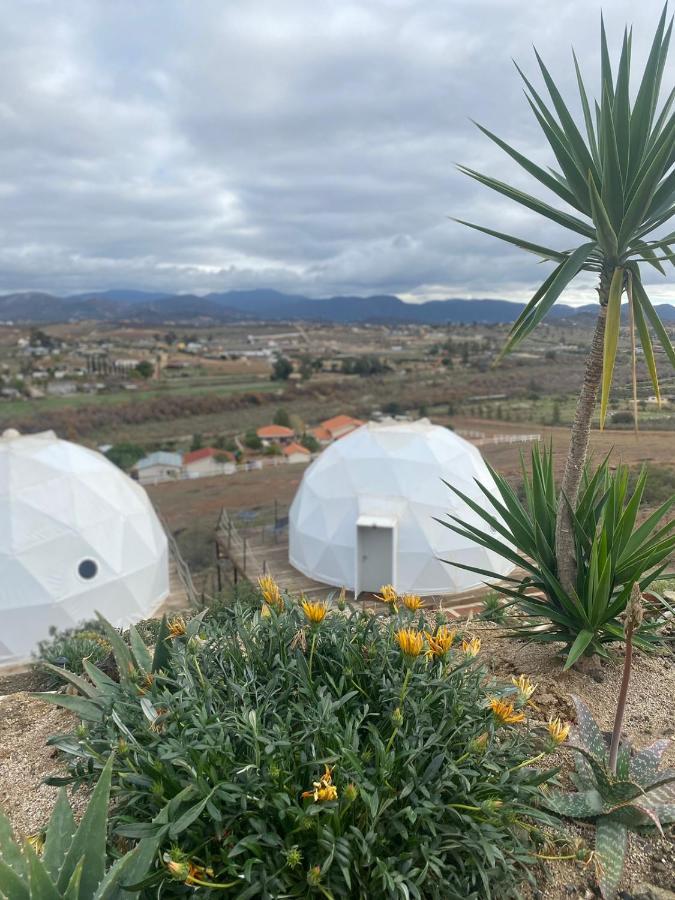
(472, 647)
(265, 611)
(315, 612)
(441, 642)
(411, 642)
(177, 627)
(271, 592)
(557, 730)
(412, 602)
(505, 712)
(387, 594)
(324, 789)
(36, 841)
(525, 686)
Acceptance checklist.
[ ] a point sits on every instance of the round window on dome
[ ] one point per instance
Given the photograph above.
(87, 569)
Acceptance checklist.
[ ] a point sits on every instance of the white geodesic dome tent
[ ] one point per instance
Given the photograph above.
(365, 512)
(77, 536)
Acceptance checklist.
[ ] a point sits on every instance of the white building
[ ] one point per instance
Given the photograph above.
(158, 467)
(366, 511)
(77, 536)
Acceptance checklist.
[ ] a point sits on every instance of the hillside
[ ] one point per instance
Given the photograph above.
(155, 308)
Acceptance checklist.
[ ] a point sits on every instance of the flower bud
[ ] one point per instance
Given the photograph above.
(397, 717)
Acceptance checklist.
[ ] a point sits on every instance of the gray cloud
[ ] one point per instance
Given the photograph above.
(302, 144)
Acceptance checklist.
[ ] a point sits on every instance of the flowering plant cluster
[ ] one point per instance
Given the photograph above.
(282, 747)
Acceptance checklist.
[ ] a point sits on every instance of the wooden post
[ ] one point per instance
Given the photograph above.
(244, 560)
(229, 533)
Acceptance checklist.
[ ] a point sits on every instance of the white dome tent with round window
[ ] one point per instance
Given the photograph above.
(77, 536)
(366, 511)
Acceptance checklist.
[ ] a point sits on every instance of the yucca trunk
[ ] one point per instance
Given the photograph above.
(578, 448)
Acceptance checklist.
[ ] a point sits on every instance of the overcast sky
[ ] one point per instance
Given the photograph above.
(306, 145)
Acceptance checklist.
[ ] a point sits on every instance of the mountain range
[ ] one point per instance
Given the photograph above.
(147, 308)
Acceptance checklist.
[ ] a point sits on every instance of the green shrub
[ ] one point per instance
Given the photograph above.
(298, 758)
(69, 862)
(67, 649)
(612, 553)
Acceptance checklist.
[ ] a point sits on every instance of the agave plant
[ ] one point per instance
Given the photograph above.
(612, 553)
(71, 863)
(615, 179)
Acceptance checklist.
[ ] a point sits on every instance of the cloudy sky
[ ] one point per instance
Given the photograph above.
(306, 145)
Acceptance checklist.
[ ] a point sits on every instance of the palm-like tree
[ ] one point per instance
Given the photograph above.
(616, 177)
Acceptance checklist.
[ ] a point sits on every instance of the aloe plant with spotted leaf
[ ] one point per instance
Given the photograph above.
(616, 180)
(633, 797)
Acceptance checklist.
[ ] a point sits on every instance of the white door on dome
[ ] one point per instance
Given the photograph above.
(374, 555)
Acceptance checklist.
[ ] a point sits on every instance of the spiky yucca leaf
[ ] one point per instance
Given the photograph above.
(616, 176)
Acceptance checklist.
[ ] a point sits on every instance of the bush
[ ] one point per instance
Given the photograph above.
(612, 551)
(252, 441)
(297, 756)
(66, 649)
(125, 455)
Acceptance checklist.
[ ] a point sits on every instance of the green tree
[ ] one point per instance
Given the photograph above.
(125, 455)
(310, 443)
(281, 417)
(197, 442)
(145, 368)
(281, 369)
(615, 175)
(252, 441)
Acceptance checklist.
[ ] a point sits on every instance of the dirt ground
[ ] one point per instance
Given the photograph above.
(649, 716)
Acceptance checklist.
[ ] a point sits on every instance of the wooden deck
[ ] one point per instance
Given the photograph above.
(250, 548)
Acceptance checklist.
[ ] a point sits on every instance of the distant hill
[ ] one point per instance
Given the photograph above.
(146, 307)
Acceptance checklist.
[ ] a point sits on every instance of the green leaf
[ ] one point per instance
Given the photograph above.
(606, 234)
(140, 651)
(83, 686)
(645, 101)
(13, 885)
(59, 836)
(162, 656)
(583, 805)
(537, 249)
(611, 839)
(89, 710)
(128, 870)
(588, 734)
(644, 765)
(612, 328)
(544, 299)
(41, 885)
(553, 184)
(530, 202)
(121, 652)
(584, 638)
(649, 311)
(89, 841)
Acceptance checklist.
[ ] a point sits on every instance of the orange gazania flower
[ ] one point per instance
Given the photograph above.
(441, 642)
(323, 789)
(315, 612)
(271, 592)
(387, 594)
(412, 602)
(472, 647)
(557, 730)
(411, 642)
(505, 713)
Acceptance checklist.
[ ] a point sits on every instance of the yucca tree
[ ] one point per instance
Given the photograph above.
(615, 177)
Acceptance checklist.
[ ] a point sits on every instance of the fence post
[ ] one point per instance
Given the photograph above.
(229, 533)
(244, 560)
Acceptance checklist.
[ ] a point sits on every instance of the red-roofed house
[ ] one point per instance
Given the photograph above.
(341, 425)
(296, 453)
(208, 461)
(322, 435)
(275, 434)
